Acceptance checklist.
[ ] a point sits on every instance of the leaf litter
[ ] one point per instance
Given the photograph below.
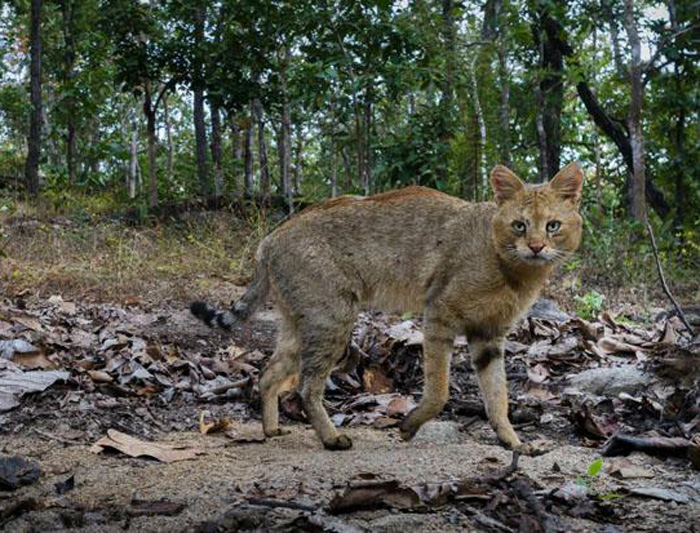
(138, 372)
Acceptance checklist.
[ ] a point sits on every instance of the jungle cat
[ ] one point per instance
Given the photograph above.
(470, 268)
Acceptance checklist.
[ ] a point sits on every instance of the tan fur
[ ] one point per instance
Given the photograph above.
(462, 264)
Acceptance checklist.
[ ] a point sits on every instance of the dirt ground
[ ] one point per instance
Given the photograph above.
(295, 468)
(289, 483)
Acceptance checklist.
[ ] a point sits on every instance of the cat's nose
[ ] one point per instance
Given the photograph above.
(536, 247)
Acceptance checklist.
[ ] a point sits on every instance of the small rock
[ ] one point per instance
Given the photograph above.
(666, 495)
(610, 381)
(547, 309)
(16, 471)
(439, 433)
(571, 492)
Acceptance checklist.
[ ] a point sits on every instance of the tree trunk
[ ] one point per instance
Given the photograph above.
(286, 133)
(198, 89)
(262, 150)
(551, 87)
(504, 104)
(598, 172)
(614, 131)
(216, 150)
(298, 160)
(68, 11)
(447, 111)
(133, 176)
(481, 160)
(679, 134)
(236, 152)
(334, 160)
(638, 207)
(31, 169)
(150, 113)
(541, 135)
(367, 161)
(248, 166)
(168, 137)
(359, 151)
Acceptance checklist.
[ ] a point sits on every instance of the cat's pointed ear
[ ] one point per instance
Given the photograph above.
(567, 183)
(505, 183)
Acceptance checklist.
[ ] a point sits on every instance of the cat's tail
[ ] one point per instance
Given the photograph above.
(245, 307)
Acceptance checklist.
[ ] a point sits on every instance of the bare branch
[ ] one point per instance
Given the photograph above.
(678, 309)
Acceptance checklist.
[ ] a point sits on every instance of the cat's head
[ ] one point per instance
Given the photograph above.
(537, 225)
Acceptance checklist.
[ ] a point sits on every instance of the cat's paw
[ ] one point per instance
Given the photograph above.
(535, 447)
(341, 442)
(407, 430)
(278, 432)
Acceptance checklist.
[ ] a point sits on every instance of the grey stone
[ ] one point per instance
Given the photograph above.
(548, 310)
(610, 381)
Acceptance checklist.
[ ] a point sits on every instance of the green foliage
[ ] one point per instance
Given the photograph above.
(595, 467)
(588, 481)
(589, 305)
(396, 92)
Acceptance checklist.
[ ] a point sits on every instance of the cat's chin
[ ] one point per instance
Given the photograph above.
(537, 260)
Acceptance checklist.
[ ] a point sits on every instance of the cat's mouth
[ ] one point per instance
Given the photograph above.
(537, 259)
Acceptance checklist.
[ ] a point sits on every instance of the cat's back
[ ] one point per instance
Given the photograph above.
(400, 208)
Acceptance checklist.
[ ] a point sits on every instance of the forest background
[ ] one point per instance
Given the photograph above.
(130, 106)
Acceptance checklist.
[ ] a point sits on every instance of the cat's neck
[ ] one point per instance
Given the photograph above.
(521, 277)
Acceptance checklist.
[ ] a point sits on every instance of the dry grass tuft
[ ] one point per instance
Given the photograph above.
(197, 256)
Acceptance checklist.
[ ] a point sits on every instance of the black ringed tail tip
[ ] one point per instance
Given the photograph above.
(202, 311)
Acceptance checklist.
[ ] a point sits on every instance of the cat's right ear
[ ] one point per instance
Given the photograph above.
(505, 184)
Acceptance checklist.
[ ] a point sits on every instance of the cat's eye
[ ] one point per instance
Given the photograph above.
(553, 225)
(519, 226)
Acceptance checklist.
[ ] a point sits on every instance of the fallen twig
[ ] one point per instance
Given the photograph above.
(269, 502)
(57, 438)
(233, 385)
(664, 285)
(620, 444)
(486, 520)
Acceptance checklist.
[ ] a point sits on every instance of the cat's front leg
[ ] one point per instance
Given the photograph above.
(487, 359)
(437, 352)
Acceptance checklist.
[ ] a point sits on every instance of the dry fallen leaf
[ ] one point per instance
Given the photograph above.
(99, 376)
(694, 452)
(376, 382)
(134, 447)
(217, 425)
(624, 469)
(385, 422)
(401, 405)
(14, 384)
(245, 433)
(373, 495)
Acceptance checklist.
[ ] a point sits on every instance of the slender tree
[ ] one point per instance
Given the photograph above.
(31, 169)
(198, 86)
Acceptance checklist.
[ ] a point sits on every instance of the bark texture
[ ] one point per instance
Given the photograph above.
(150, 112)
(198, 90)
(216, 150)
(68, 12)
(31, 169)
(262, 150)
(637, 195)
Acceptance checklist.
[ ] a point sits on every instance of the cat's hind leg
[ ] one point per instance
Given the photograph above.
(280, 375)
(323, 345)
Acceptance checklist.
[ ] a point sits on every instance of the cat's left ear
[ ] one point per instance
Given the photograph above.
(506, 185)
(567, 183)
